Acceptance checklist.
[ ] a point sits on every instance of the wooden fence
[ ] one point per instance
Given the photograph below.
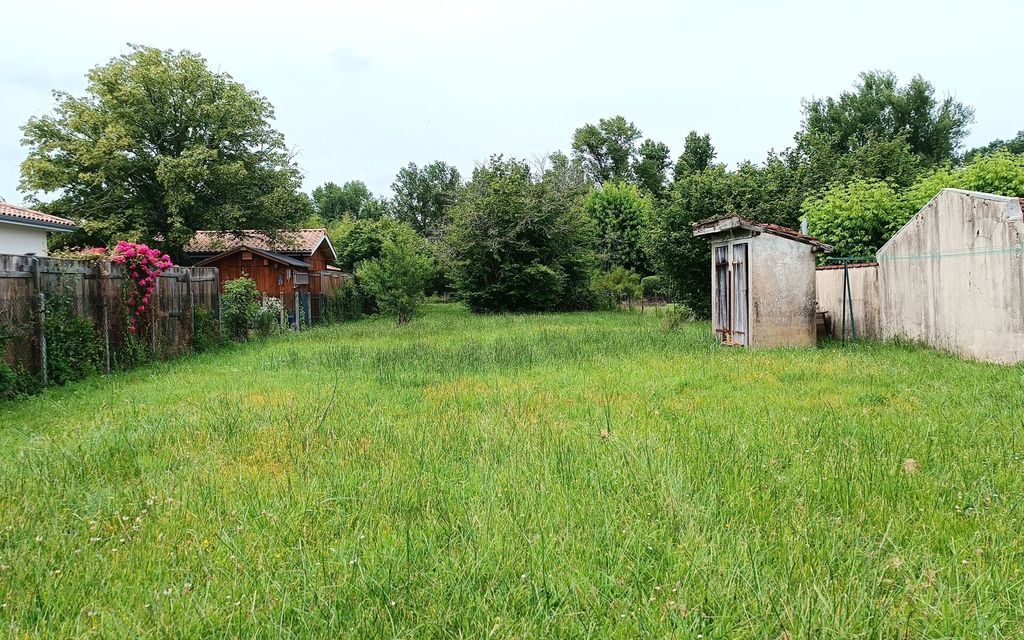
(30, 286)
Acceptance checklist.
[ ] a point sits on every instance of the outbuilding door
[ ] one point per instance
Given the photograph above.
(731, 311)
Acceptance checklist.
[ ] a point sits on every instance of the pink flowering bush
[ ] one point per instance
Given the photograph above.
(143, 266)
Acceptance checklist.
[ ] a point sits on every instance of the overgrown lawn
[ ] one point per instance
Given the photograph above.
(525, 476)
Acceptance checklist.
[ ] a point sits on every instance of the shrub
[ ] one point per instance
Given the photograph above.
(240, 305)
(343, 304)
(617, 286)
(517, 243)
(652, 287)
(205, 330)
(15, 383)
(267, 320)
(856, 218)
(398, 279)
(73, 348)
(676, 316)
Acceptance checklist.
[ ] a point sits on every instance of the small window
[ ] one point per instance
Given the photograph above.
(247, 255)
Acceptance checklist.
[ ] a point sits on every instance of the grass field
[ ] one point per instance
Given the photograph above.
(577, 475)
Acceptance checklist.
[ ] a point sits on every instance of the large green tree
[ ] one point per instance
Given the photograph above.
(698, 154)
(651, 167)
(159, 147)
(880, 130)
(519, 243)
(424, 196)
(607, 150)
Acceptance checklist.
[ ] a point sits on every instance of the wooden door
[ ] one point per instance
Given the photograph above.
(731, 313)
(740, 316)
(723, 287)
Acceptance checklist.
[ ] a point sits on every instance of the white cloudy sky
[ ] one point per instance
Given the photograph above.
(361, 88)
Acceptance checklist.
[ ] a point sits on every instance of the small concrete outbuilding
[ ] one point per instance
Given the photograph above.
(762, 282)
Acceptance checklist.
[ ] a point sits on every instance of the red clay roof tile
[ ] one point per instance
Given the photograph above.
(31, 215)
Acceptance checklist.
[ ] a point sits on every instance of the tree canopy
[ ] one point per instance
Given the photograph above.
(519, 243)
(159, 147)
(607, 150)
(424, 196)
(353, 199)
(622, 216)
(698, 154)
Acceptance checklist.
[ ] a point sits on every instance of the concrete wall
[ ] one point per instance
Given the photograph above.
(953, 277)
(781, 292)
(864, 291)
(17, 239)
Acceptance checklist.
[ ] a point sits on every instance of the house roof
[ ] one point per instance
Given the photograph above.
(721, 224)
(31, 218)
(270, 255)
(304, 242)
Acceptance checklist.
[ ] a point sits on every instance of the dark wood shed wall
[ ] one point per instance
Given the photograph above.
(272, 278)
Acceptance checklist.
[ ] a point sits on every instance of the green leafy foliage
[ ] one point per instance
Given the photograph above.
(681, 258)
(698, 155)
(651, 166)
(516, 243)
(205, 330)
(159, 147)
(1014, 145)
(856, 218)
(653, 287)
(345, 303)
(398, 278)
(607, 150)
(676, 316)
(621, 215)
(73, 347)
(617, 286)
(240, 308)
(353, 199)
(860, 216)
(879, 111)
(424, 196)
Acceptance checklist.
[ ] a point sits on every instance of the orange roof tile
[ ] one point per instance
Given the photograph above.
(30, 216)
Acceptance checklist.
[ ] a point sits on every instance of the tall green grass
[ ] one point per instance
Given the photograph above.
(578, 475)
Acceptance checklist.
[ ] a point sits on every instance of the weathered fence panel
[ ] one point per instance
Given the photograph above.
(97, 291)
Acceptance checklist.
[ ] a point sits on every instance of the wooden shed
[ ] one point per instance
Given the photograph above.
(290, 265)
(762, 282)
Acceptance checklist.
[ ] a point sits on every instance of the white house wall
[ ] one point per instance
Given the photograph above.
(17, 239)
(953, 277)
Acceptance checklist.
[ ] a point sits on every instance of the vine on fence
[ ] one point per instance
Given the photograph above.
(144, 265)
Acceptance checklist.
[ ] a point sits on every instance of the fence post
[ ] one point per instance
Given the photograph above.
(37, 282)
(102, 284)
(190, 312)
(297, 309)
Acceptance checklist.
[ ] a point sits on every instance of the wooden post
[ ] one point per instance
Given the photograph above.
(282, 320)
(37, 281)
(297, 310)
(189, 312)
(102, 285)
